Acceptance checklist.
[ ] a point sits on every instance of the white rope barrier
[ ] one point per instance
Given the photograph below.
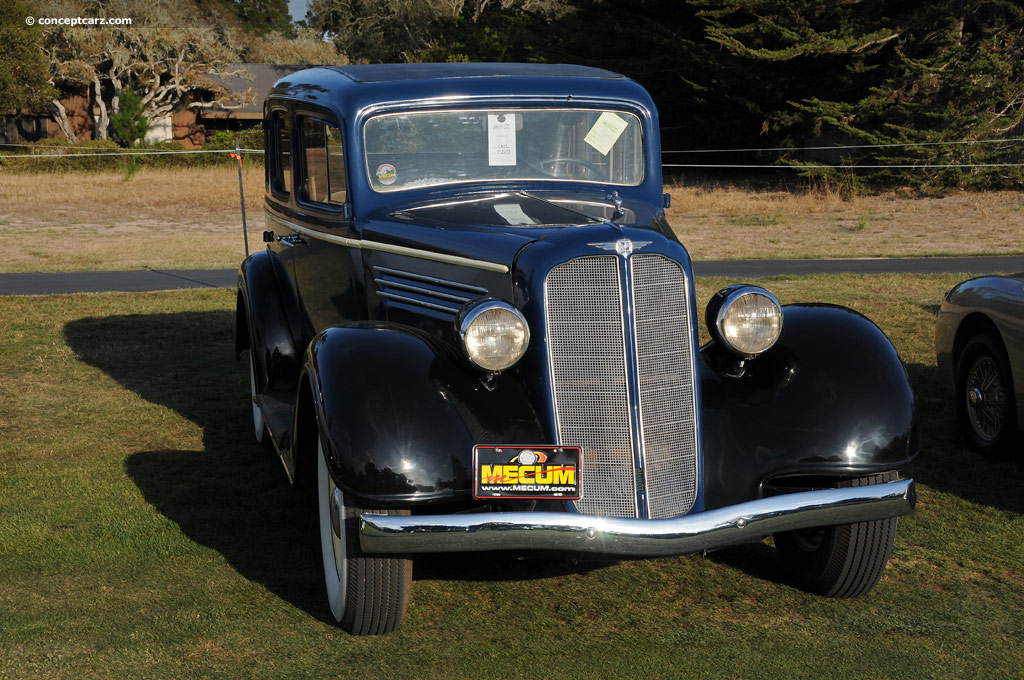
(922, 166)
(82, 152)
(852, 146)
(124, 153)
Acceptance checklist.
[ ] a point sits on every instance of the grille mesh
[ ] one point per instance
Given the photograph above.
(588, 364)
(664, 347)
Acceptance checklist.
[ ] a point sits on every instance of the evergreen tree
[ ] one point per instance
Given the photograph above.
(24, 76)
(264, 16)
(884, 73)
(129, 123)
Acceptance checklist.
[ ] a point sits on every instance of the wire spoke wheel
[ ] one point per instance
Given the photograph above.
(986, 398)
(985, 395)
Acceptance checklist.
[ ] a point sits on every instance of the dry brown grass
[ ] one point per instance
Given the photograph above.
(161, 218)
(733, 223)
(190, 218)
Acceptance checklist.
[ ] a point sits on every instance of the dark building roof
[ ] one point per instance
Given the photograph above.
(261, 78)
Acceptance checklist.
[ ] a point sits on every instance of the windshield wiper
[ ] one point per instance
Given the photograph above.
(590, 218)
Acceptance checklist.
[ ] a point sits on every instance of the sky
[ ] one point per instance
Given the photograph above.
(297, 8)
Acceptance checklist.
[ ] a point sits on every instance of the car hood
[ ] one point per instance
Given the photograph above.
(492, 227)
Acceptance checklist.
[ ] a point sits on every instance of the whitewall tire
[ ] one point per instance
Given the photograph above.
(367, 594)
(259, 425)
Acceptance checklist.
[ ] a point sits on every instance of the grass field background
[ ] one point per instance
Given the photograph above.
(191, 219)
(143, 534)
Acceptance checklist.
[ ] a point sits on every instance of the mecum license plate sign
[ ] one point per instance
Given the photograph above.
(530, 472)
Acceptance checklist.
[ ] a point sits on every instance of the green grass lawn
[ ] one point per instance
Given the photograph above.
(143, 534)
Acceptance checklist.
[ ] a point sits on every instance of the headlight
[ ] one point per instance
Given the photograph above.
(494, 334)
(746, 319)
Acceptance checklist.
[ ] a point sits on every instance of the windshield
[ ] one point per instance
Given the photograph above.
(419, 149)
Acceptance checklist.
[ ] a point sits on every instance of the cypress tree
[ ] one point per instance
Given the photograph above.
(130, 123)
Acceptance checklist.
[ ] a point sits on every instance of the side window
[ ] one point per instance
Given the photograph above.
(282, 180)
(314, 145)
(324, 179)
(336, 166)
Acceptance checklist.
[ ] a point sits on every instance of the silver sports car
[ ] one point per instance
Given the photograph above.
(979, 340)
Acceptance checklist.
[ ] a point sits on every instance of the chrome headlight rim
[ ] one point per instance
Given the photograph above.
(719, 308)
(470, 313)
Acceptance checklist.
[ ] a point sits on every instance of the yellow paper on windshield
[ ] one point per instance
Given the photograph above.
(606, 132)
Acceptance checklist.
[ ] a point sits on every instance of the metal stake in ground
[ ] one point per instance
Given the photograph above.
(241, 196)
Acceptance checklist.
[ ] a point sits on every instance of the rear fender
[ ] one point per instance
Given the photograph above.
(271, 325)
(399, 414)
(831, 399)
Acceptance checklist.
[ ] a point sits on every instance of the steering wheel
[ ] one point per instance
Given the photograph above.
(597, 172)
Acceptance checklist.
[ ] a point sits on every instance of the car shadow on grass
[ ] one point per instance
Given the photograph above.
(946, 463)
(233, 496)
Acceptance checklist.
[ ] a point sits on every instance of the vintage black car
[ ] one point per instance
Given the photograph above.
(473, 326)
(979, 343)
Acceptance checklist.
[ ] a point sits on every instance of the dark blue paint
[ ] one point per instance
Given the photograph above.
(400, 408)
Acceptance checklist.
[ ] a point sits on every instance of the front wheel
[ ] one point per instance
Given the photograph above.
(984, 395)
(840, 561)
(368, 594)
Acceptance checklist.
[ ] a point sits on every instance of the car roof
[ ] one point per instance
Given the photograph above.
(352, 89)
(390, 73)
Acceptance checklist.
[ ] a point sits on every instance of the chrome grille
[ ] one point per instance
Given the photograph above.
(667, 406)
(588, 366)
(587, 350)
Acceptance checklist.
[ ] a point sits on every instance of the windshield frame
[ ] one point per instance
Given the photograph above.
(482, 108)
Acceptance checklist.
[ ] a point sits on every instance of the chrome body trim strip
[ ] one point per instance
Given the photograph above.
(389, 248)
(709, 530)
(419, 303)
(431, 279)
(636, 419)
(422, 291)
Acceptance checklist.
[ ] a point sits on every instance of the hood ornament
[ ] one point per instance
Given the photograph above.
(623, 246)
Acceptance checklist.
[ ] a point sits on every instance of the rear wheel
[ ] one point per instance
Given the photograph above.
(840, 561)
(368, 594)
(984, 395)
(259, 425)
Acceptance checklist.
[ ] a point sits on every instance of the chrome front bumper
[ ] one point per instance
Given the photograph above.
(710, 530)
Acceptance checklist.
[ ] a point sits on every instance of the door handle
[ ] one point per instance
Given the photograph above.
(292, 240)
(287, 239)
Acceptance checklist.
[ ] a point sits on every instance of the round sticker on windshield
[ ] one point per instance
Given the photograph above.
(386, 173)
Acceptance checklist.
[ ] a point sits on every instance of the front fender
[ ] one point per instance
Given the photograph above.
(831, 398)
(400, 415)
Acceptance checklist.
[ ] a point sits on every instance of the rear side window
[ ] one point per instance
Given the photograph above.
(324, 179)
(336, 166)
(281, 181)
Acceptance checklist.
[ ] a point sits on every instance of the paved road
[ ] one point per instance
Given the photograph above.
(876, 265)
(129, 281)
(151, 279)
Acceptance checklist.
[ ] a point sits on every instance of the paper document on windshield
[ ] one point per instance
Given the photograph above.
(501, 139)
(606, 132)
